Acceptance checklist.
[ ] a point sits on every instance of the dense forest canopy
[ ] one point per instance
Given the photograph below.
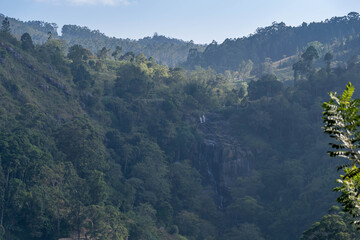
(164, 50)
(275, 42)
(112, 145)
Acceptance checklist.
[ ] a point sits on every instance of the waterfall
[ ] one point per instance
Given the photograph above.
(219, 158)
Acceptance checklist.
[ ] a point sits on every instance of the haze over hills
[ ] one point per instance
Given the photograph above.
(276, 42)
(273, 43)
(114, 146)
(163, 49)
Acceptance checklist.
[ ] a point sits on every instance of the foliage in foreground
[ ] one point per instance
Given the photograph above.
(342, 121)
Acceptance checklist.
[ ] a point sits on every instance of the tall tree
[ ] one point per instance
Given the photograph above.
(50, 36)
(117, 52)
(82, 77)
(102, 54)
(5, 27)
(26, 42)
(309, 56)
(333, 226)
(78, 53)
(328, 58)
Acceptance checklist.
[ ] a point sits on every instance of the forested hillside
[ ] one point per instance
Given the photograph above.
(124, 148)
(164, 50)
(38, 30)
(276, 42)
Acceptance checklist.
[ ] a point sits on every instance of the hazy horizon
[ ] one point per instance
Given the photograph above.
(201, 21)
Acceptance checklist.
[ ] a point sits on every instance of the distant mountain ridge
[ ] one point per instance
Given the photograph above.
(274, 42)
(271, 43)
(38, 30)
(165, 50)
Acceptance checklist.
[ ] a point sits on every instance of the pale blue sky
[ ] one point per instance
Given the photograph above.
(198, 20)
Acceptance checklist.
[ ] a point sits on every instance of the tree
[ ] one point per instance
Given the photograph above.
(102, 54)
(245, 209)
(342, 122)
(153, 170)
(50, 36)
(117, 52)
(98, 192)
(193, 56)
(105, 223)
(267, 85)
(333, 226)
(305, 65)
(132, 80)
(84, 149)
(5, 27)
(309, 55)
(26, 42)
(299, 69)
(245, 231)
(328, 58)
(77, 53)
(53, 52)
(82, 77)
(353, 16)
(129, 56)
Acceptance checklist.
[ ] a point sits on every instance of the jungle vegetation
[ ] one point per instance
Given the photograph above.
(107, 145)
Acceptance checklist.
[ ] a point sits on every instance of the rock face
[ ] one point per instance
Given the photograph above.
(219, 157)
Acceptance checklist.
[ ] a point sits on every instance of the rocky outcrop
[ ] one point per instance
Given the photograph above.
(220, 158)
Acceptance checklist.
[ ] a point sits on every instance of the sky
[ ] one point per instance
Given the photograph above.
(199, 20)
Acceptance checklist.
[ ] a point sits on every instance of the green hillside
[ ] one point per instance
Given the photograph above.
(164, 50)
(276, 42)
(125, 148)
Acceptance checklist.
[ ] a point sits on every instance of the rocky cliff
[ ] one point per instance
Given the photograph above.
(219, 157)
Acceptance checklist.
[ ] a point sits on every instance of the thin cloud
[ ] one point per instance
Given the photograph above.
(87, 2)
